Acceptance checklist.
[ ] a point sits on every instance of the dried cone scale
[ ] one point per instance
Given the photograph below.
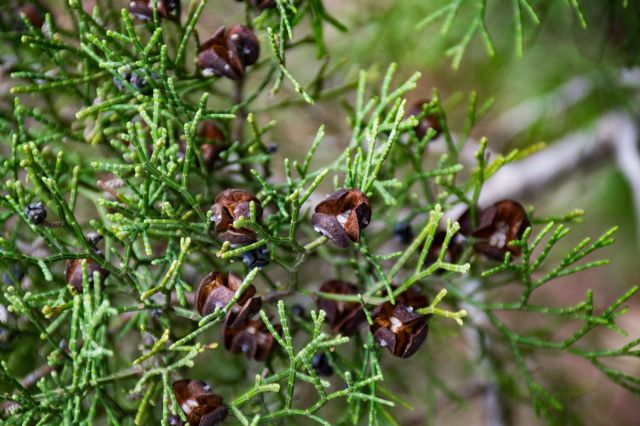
(252, 339)
(143, 9)
(343, 317)
(399, 328)
(228, 52)
(430, 121)
(217, 290)
(73, 272)
(230, 205)
(342, 216)
(200, 405)
(498, 224)
(213, 143)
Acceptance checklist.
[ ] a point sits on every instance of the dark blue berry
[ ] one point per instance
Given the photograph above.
(272, 148)
(320, 363)
(36, 213)
(298, 311)
(256, 258)
(14, 276)
(403, 232)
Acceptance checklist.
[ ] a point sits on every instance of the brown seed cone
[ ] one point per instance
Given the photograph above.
(343, 317)
(399, 328)
(213, 143)
(143, 9)
(252, 339)
(199, 404)
(228, 52)
(261, 4)
(342, 215)
(73, 272)
(229, 206)
(425, 123)
(217, 290)
(498, 224)
(33, 13)
(454, 249)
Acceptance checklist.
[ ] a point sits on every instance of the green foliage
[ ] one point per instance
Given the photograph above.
(476, 24)
(111, 353)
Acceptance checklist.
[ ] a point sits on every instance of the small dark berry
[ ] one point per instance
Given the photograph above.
(321, 364)
(298, 311)
(6, 336)
(14, 276)
(256, 258)
(137, 79)
(124, 74)
(94, 238)
(36, 213)
(403, 232)
(272, 148)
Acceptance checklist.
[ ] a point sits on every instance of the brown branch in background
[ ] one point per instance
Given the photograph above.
(536, 173)
(28, 381)
(37, 374)
(521, 117)
(614, 137)
(621, 133)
